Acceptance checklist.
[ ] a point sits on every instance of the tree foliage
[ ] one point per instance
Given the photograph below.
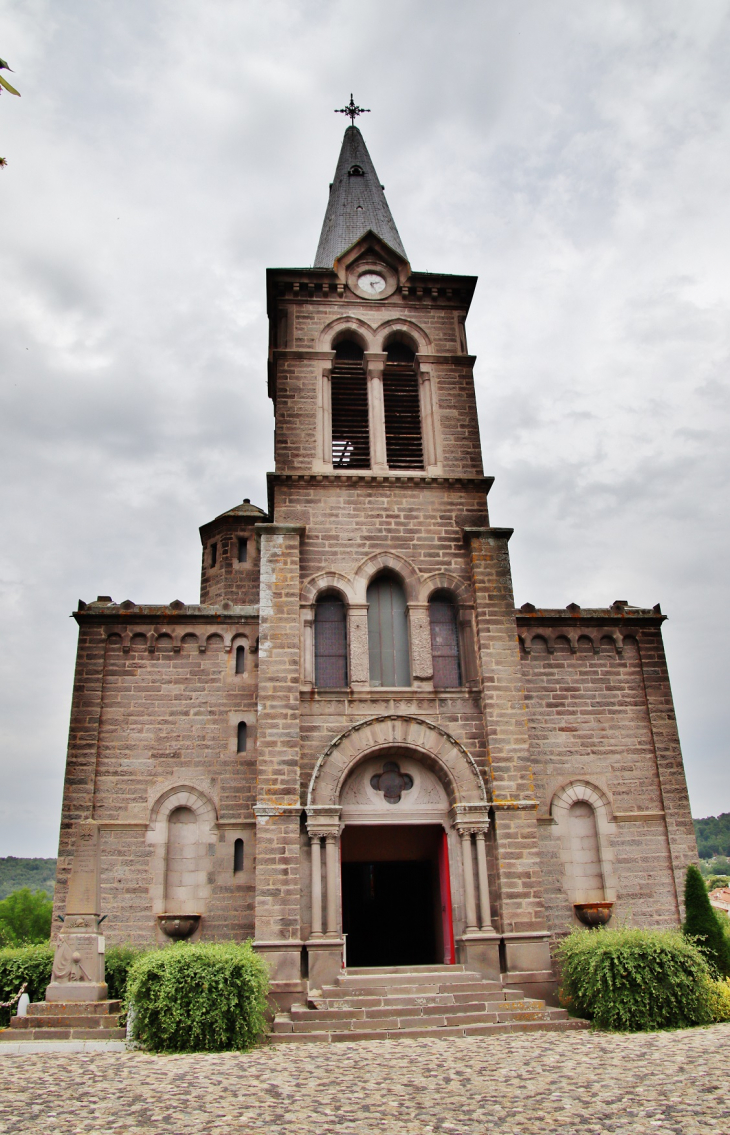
(37, 874)
(25, 918)
(702, 925)
(713, 835)
(204, 997)
(635, 980)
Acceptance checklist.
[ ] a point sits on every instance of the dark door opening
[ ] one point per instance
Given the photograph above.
(391, 894)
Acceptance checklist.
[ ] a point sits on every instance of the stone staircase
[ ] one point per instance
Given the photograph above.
(382, 1003)
(69, 1020)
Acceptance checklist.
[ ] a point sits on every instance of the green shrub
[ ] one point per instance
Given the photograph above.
(205, 997)
(24, 963)
(702, 925)
(25, 917)
(117, 963)
(634, 980)
(720, 1000)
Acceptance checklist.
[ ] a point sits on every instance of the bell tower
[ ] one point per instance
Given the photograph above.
(385, 595)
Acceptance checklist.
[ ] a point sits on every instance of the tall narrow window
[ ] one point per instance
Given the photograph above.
(242, 549)
(350, 420)
(237, 856)
(240, 659)
(401, 399)
(242, 731)
(330, 643)
(444, 641)
(388, 633)
(213, 555)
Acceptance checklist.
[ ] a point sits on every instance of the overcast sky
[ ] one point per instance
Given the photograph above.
(574, 156)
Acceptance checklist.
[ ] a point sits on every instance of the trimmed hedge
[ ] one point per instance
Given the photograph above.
(634, 980)
(117, 963)
(201, 997)
(24, 963)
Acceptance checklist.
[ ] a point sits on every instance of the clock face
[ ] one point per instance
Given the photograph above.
(371, 282)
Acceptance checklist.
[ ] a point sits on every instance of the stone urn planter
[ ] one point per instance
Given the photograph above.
(178, 926)
(593, 913)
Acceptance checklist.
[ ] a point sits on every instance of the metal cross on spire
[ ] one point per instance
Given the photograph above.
(352, 110)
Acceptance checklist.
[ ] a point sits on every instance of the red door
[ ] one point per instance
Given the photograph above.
(447, 921)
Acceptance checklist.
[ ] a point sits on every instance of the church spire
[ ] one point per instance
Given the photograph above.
(357, 203)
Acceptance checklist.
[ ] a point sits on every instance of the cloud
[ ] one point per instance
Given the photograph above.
(164, 154)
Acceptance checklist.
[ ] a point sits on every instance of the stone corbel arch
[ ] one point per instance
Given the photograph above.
(444, 581)
(327, 581)
(439, 750)
(382, 561)
(363, 333)
(408, 327)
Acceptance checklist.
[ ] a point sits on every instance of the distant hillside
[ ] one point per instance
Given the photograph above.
(38, 874)
(713, 835)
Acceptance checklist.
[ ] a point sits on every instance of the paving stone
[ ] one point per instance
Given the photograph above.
(575, 1083)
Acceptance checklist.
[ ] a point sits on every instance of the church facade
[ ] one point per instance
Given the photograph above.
(354, 749)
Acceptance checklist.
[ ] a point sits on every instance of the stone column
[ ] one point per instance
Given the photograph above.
(485, 912)
(278, 810)
(468, 870)
(524, 928)
(332, 870)
(324, 951)
(374, 361)
(357, 642)
(419, 627)
(316, 848)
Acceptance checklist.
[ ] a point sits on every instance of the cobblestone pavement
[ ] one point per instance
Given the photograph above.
(539, 1082)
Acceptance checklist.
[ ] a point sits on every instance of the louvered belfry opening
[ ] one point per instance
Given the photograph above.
(444, 641)
(403, 440)
(350, 420)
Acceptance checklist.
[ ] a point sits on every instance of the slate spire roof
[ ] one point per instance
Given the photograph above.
(357, 203)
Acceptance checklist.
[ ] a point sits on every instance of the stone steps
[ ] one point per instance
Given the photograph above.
(66, 1020)
(422, 1001)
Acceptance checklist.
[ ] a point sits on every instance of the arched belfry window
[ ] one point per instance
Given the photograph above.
(444, 641)
(388, 633)
(350, 421)
(401, 399)
(330, 643)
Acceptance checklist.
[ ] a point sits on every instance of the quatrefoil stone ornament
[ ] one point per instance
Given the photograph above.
(391, 782)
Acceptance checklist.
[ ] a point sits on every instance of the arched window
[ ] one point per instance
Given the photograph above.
(240, 659)
(330, 643)
(237, 856)
(401, 399)
(241, 739)
(350, 419)
(444, 641)
(388, 633)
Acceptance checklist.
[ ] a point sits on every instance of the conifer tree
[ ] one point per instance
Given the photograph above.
(702, 924)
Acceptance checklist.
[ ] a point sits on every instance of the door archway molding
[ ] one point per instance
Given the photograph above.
(422, 738)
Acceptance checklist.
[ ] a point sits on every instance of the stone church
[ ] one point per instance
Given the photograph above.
(354, 749)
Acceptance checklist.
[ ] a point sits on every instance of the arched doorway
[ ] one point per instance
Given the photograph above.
(396, 890)
(433, 789)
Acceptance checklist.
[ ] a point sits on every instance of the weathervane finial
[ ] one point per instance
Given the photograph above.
(352, 110)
